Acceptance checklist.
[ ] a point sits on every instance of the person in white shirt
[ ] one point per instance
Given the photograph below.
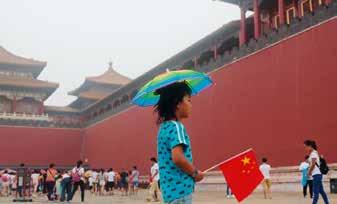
(5, 179)
(35, 180)
(12, 183)
(94, 177)
(265, 170)
(314, 171)
(135, 180)
(101, 182)
(110, 181)
(154, 179)
(77, 175)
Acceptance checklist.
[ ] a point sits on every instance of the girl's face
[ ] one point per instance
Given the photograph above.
(307, 149)
(184, 108)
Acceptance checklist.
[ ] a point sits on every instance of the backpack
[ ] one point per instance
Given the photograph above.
(324, 168)
(4, 178)
(76, 176)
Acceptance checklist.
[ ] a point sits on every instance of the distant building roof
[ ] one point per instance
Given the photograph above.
(11, 61)
(94, 95)
(27, 83)
(110, 78)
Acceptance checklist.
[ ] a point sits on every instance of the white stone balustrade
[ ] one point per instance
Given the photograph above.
(24, 116)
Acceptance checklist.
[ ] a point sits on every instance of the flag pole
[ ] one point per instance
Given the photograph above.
(215, 166)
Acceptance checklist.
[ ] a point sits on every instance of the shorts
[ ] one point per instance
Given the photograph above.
(124, 184)
(266, 184)
(5, 184)
(135, 183)
(102, 183)
(110, 185)
(184, 200)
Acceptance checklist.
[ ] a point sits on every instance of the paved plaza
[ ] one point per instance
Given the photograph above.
(199, 198)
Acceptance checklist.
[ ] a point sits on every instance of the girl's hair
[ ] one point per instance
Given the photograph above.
(311, 143)
(79, 163)
(154, 159)
(170, 97)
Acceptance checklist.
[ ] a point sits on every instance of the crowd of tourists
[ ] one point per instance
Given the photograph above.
(61, 185)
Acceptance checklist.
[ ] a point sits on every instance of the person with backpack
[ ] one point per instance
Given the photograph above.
(77, 176)
(316, 168)
(50, 181)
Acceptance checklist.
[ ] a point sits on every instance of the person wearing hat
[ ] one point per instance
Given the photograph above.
(176, 169)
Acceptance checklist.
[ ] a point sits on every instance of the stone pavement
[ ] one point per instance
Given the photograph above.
(199, 198)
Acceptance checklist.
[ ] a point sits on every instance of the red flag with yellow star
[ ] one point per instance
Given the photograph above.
(242, 174)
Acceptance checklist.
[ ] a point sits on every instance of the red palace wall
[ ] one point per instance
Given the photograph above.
(39, 146)
(271, 101)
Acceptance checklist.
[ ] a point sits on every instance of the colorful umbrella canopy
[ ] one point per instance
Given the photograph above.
(197, 81)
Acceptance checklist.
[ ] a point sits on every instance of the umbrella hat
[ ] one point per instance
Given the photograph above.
(147, 95)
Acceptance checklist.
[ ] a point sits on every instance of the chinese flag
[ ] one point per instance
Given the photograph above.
(242, 174)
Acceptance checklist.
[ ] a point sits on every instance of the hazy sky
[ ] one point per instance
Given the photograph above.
(78, 38)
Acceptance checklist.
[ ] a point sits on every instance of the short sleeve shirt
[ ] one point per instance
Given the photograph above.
(314, 155)
(135, 176)
(79, 171)
(124, 177)
(51, 173)
(111, 176)
(174, 182)
(265, 169)
(155, 172)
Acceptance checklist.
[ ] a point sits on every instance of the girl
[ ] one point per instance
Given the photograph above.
(58, 187)
(314, 160)
(304, 167)
(35, 180)
(176, 169)
(101, 182)
(14, 184)
(77, 175)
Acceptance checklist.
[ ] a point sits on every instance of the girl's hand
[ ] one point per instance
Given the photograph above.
(199, 176)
